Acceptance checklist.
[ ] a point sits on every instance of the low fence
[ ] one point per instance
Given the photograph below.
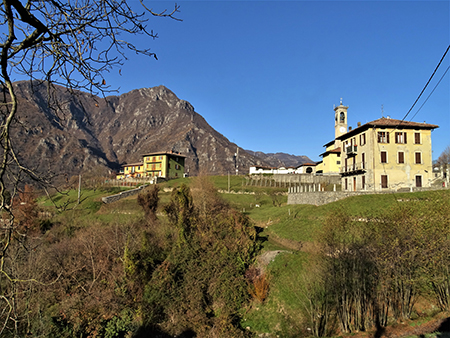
(134, 182)
(302, 181)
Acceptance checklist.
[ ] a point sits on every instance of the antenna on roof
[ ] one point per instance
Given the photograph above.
(341, 101)
(382, 110)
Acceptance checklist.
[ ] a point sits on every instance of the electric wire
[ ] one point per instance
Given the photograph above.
(417, 99)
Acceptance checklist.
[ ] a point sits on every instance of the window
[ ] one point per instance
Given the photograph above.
(363, 160)
(346, 183)
(418, 158)
(338, 162)
(383, 157)
(416, 138)
(400, 138)
(362, 139)
(177, 166)
(383, 137)
(363, 182)
(401, 157)
(384, 181)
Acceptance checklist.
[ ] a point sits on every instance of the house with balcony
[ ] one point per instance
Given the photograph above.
(132, 170)
(386, 154)
(158, 164)
(164, 164)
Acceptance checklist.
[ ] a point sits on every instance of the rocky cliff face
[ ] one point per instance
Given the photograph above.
(88, 133)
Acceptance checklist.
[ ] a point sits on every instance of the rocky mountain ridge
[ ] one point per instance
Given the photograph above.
(88, 133)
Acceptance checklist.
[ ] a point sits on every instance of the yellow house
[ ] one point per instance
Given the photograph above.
(386, 154)
(331, 160)
(134, 170)
(164, 164)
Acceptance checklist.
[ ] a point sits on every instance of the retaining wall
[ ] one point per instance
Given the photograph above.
(123, 194)
(323, 197)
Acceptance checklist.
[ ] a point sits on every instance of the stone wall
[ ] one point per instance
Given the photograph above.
(322, 197)
(123, 194)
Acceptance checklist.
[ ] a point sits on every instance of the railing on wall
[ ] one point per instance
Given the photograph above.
(349, 168)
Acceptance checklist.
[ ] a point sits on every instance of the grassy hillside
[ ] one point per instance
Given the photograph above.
(291, 234)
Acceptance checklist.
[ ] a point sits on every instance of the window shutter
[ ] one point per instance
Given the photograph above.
(418, 158)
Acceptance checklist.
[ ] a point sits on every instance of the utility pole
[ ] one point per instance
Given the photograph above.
(79, 189)
(237, 158)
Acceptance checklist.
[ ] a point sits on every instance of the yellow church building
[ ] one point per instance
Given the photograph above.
(384, 154)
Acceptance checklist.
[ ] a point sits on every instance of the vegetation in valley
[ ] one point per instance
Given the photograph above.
(181, 259)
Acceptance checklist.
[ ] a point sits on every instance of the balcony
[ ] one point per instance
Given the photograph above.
(351, 150)
(354, 168)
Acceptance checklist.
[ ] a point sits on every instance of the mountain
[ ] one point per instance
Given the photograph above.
(86, 133)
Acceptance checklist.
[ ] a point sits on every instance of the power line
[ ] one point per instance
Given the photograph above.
(445, 73)
(432, 75)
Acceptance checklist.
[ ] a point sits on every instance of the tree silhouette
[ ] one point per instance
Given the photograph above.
(57, 42)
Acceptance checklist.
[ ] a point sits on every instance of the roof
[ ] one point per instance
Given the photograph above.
(262, 167)
(386, 122)
(168, 153)
(307, 164)
(132, 164)
(329, 143)
(337, 150)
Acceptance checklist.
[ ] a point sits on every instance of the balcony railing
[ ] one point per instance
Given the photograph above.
(350, 168)
(351, 150)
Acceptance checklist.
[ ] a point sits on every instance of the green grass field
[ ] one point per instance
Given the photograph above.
(281, 313)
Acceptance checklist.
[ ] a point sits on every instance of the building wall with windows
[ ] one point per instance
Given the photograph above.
(387, 154)
(164, 164)
(133, 170)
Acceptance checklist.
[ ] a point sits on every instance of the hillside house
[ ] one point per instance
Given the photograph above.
(132, 170)
(386, 154)
(164, 164)
(158, 164)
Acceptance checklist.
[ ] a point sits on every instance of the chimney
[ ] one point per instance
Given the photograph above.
(349, 128)
(359, 124)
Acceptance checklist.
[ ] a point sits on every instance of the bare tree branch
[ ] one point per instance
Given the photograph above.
(57, 42)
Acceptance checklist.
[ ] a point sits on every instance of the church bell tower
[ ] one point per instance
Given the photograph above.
(340, 120)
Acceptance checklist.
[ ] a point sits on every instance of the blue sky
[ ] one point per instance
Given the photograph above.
(266, 74)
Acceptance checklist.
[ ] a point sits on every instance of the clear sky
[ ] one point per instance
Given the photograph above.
(266, 74)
